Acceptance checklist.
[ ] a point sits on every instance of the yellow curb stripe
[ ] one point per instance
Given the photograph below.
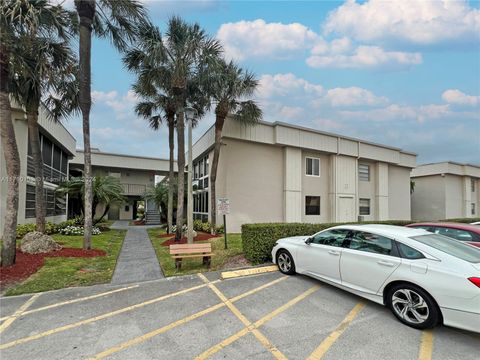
(224, 343)
(18, 313)
(90, 297)
(260, 337)
(140, 339)
(97, 318)
(426, 345)
(318, 353)
(246, 272)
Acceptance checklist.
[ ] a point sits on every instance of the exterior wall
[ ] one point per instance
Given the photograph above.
(253, 183)
(316, 186)
(428, 198)
(343, 188)
(455, 196)
(399, 201)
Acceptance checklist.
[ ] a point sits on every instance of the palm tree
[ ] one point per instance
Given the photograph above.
(18, 18)
(186, 50)
(229, 86)
(116, 19)
(46, 63)
(107, 190)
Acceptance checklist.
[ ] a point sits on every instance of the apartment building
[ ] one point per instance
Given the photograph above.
(57, 146)
(445, 190)
(135, 173)
(278, 172)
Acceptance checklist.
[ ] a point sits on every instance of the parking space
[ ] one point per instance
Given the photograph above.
(263, 316)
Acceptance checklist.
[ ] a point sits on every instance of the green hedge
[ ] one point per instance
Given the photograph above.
(258, 239)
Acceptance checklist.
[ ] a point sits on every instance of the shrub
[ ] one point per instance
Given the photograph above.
(198, 225)
(258, 239)
(77, 230)
(24, 229)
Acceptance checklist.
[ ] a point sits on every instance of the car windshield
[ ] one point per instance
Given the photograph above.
(450, 246)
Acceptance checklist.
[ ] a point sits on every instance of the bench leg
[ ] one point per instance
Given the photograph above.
(206, 261)
(178, 264)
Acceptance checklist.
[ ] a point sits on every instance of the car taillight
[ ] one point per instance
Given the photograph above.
(475, 281)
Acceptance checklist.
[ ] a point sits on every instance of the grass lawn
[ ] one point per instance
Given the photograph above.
(192, 266)
(58, 272)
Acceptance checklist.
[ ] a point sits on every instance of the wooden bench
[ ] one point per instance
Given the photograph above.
(181, 251)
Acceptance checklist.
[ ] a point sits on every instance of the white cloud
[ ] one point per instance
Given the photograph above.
(291, 112)
(353, 96)
(257, 38)
(287, 85)
(412, 21)
(455, 96)
(112, 99)
(364, 57)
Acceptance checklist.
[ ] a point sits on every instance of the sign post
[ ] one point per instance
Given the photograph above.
(223, 208)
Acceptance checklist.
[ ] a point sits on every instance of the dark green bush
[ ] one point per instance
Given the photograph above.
(463, 220)
(258, 239)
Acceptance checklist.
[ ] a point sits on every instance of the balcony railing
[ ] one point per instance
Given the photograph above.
(134, 189)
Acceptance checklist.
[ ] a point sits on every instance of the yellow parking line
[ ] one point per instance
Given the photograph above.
(18, 313)
(97, 318)
(73, 301)
(216, 348)
(261, 338)
(318, 353)
(246, 272)
(426, 345)
(142, 338)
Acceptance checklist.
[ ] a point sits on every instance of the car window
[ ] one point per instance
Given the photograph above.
(458, 234)
(407, 252)
(334, 237)
(424, 227)
(451, 247)
(369, 242)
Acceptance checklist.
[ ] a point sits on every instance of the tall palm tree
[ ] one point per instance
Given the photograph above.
(187, 49)
(18, 18)
(229, 86)
(116, 19)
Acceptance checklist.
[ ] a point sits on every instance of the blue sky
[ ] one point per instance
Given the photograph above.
(401, 73)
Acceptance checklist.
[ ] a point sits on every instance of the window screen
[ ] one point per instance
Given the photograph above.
(312, 205)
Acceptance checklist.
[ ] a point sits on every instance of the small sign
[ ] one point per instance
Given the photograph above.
(223, 206)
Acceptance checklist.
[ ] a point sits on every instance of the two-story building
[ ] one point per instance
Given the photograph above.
(445, 190)
(57, 146)
(278, 172)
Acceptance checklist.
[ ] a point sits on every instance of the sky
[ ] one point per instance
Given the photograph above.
(404, 73)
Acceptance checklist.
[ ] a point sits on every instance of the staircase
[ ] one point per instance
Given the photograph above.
(152, 217)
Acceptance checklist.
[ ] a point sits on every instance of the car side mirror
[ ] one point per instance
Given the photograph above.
(308, 240)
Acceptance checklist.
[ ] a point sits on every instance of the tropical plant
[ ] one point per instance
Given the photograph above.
(107, 190)
(18, 19)
(229, 86)
(117, 20)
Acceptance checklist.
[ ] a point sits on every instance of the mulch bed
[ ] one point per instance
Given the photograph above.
(28, 264)
(200, 237)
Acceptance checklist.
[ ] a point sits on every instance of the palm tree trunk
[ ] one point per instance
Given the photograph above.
(34, 139)
(86, 12)
(12, 165)
(219, 121)
(181, 171)
(171, 174)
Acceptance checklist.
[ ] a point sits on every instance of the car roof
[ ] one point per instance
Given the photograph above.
(386, 230)
(453, 225)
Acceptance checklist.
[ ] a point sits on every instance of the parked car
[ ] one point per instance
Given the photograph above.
(475, 223)
(424, 278)
(458, 231)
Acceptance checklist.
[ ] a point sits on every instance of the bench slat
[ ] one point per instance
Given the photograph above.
(192, 256)
(190, 246)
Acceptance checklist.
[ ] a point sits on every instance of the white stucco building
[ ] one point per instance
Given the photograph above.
(277, 172)
(445, 190)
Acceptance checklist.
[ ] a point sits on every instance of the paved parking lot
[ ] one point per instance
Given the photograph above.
(262, 317)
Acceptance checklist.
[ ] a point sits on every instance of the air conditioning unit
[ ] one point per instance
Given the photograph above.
(361, 218)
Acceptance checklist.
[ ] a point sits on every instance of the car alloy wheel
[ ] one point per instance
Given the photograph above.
(410, 306)
(285, 262)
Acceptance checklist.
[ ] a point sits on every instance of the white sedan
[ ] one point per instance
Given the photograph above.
(424, 278)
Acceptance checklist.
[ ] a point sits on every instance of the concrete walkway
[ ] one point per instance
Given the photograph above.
(137, 260)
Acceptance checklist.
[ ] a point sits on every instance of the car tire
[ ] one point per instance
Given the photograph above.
(285, 262)
(413, 306)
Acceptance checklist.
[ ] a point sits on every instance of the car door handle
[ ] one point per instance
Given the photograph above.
(333, 252)
(385, 263)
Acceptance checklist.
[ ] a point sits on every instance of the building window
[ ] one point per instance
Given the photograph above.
(472, 184)
(363, 172)
(312, 205)
(55, 203)
(200, 190)
(364, 206)
(312, 166)
(473, 208)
